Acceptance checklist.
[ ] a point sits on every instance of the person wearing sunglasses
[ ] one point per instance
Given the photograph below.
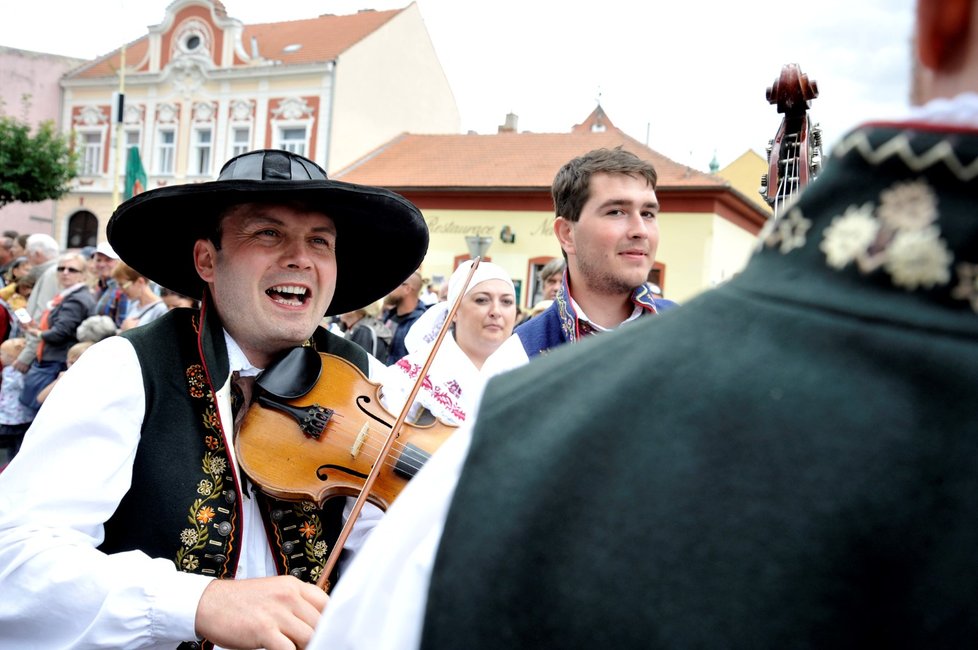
(57, 326)
(145, 305)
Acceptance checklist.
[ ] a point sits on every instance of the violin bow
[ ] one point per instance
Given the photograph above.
(334, 555)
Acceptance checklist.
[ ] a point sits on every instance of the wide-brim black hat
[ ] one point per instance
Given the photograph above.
(381, 236)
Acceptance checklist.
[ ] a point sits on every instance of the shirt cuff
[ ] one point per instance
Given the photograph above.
(175, 611)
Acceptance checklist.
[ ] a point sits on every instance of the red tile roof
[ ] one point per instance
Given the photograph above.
(321, 39)
(505, 160)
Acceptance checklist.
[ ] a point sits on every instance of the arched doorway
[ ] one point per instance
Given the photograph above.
(82, 229)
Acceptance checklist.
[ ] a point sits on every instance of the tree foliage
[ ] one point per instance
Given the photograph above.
(34, 167)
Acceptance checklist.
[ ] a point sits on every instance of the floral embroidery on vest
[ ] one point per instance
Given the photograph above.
(899, 235)
(788, 232)
(299, 532)
(204, 542)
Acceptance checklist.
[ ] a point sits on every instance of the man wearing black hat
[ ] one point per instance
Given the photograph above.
(129, 499)
(788, 461)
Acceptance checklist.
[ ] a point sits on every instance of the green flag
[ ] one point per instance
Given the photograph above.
(135, 174)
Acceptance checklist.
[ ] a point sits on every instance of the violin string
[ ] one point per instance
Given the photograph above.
(788, 185)
(369, 445)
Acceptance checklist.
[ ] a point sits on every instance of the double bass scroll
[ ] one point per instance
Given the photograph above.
(795, 152)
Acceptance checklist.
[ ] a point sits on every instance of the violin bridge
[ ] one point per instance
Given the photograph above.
(361, 438)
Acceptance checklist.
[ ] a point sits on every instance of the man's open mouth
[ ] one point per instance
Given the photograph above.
(288, 294)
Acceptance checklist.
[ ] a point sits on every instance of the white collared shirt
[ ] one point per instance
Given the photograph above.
(56, 588)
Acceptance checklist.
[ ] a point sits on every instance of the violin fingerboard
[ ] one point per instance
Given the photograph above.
(410, 461)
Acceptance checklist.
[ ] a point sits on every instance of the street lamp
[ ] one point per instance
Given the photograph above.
(478, 245)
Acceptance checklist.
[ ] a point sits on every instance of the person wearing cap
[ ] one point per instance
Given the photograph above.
(607, 226)
(110, 299)
(454, 382)
(125, 520)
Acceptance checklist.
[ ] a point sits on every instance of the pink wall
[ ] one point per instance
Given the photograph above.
(35, 74)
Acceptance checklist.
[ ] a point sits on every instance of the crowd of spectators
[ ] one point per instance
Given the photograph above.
(54, 304)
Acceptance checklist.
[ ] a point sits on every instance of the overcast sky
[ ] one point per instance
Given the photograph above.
(688, 78)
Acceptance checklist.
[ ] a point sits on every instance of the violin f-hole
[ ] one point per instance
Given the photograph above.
(363, 399)
(322, 472)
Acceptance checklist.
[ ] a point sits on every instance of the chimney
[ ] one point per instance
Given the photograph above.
(510, 125)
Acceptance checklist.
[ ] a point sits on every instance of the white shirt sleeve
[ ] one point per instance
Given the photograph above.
(379, 603)
(58, 590)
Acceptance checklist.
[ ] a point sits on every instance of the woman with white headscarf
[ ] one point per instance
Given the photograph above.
(454, 383)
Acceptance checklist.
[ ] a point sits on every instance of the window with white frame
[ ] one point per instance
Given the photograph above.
(91, 153)
(240, 140)
(293, 138)
(201, 161)
(165, 149)
(131, 139)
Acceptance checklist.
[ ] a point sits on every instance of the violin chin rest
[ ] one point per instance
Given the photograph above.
(292, 375)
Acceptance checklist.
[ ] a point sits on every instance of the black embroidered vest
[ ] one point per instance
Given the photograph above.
(183, 503)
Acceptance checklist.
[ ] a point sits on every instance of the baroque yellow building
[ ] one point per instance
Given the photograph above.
(201, 87)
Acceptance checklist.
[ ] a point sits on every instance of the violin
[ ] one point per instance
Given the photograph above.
(795, 152)
(353, 446)
(323, 443)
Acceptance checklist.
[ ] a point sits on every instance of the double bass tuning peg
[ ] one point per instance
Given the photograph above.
(816, 136)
